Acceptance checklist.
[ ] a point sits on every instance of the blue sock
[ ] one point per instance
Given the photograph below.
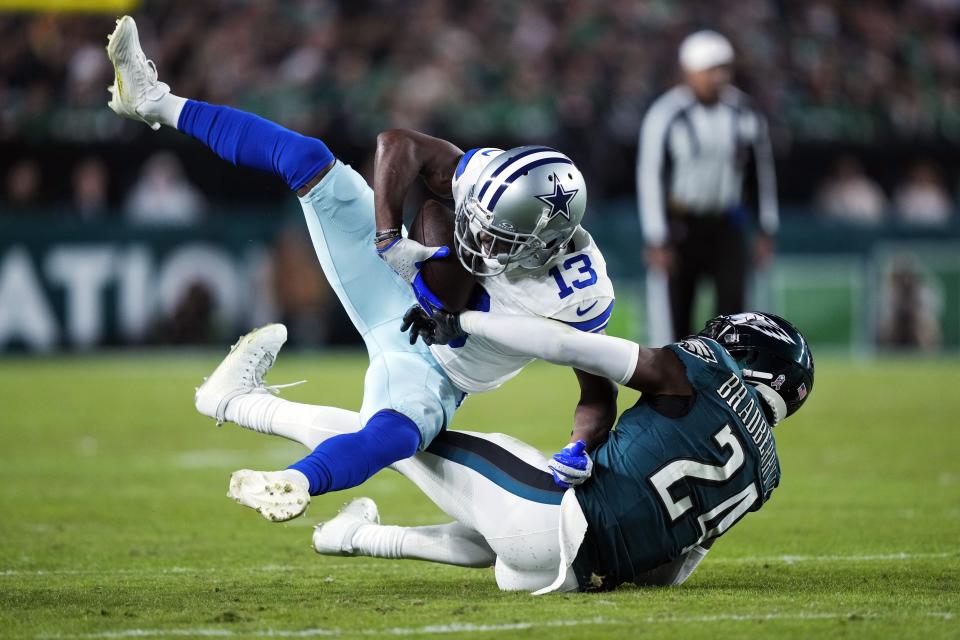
(347, 460)
(247, 140)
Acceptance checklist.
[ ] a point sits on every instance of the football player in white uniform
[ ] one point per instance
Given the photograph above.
(518, 229)
(562, 276)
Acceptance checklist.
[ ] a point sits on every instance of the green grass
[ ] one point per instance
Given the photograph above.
(113, 517)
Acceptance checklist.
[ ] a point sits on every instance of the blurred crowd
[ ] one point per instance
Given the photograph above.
(822, 69)
(575, 73)
(160, 195)
(921, 198)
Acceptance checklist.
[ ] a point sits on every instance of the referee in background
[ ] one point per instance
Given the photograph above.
(698, 143)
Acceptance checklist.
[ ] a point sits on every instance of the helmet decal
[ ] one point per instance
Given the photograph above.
(510, 161)
(559, 200)
(776, 384)
(523, 169)
(763, 324)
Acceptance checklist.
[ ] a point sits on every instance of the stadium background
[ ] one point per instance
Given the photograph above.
(119, 245)
(98, 212)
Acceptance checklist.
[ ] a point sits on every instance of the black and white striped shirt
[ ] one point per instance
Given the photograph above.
(698, 153)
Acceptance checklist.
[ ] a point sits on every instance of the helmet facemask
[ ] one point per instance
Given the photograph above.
(486, 250)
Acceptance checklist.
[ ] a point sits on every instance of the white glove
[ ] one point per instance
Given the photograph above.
(572, 466)
(406, 256)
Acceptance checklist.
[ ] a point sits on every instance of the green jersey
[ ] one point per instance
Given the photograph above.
(662, 485)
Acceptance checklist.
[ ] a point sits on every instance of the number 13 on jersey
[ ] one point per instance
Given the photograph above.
(585, 275)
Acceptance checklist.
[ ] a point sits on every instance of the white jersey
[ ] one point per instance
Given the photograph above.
(573, 288)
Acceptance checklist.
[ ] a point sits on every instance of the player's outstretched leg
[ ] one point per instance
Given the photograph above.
(401, 410)
(356, 531)
(236, 136)
(237, 392)
(343, 455)
(340, 462)
(502, 496)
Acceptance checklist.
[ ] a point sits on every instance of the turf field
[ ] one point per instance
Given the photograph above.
(114, 521)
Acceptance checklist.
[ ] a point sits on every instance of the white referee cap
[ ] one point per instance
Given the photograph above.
(705, 50)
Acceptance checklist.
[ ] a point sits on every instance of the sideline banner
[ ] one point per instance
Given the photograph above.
(65, 284)
(81, 285)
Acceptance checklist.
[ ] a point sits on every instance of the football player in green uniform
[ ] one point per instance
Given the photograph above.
(684, 464)
(680, 468)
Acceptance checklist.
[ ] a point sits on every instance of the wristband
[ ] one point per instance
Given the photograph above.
(386, 234)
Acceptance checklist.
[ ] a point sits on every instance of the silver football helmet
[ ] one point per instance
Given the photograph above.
(521, 211)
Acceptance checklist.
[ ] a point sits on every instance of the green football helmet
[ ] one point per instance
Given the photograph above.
(773, 354)
(521, 212)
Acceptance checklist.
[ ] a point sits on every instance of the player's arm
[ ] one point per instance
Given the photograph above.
(596, 411)
(592, 421)
(651, 199)
(654, 371)
(625, 362)
(769, 216)
(402, 156)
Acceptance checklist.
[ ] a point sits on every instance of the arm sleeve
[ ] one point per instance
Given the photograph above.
(650, 196)
(766, 179)
(549, 340)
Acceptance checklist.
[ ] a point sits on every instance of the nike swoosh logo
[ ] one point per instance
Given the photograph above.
(583, 312)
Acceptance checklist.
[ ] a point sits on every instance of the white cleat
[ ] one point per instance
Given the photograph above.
(335, 537)
(135, 78)
(242, 371)
(276, 495)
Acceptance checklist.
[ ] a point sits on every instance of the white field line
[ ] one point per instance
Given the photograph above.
(270, 568)
(461, 628)
(877, 557)
(228, 458)
(276, 568)
(319, 632)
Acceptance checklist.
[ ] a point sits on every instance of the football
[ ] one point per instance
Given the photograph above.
(446, 277)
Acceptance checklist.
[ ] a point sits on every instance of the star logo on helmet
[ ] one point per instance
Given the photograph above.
(559, 200)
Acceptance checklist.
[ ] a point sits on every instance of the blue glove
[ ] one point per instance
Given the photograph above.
(572, 466)
(427, 298)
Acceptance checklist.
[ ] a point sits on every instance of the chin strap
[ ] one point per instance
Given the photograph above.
(774, 400)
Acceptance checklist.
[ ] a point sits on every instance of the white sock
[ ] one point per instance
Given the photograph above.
(304, 423)
(447, 543)
(166, 110)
